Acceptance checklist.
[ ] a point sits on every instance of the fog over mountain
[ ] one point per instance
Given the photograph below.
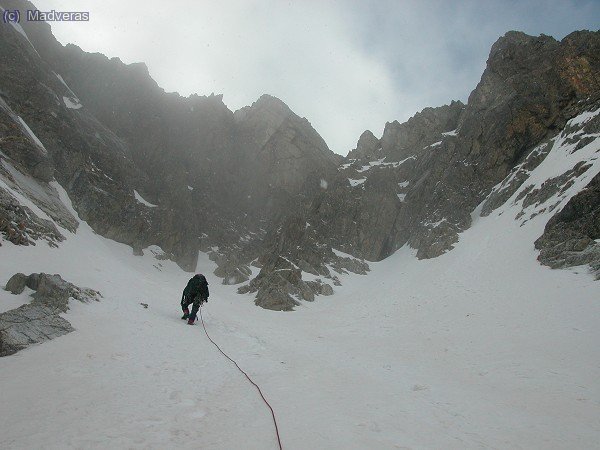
(347, 66)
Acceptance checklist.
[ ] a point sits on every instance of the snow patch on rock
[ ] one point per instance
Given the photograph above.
(358, 182)
(141, 200)
(72, 103)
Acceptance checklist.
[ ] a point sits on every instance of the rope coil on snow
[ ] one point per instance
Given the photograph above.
(247, 376)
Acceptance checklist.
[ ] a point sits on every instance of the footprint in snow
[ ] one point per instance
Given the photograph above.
(420, 387)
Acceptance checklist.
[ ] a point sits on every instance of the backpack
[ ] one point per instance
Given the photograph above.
(196, 286)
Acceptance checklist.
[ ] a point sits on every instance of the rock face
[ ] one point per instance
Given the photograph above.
(20, 226)
(110, 136)
(259, 188)
(29, 324)
(367, 147)
(572, 236)
(420, 182)
(39, 320)
(402, 140)
(211, 172)
(294, 250)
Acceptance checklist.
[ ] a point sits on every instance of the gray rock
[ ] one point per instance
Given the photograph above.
(41, 193)
(39, 320)
(21, 226)
(368, 147)
(445, 161)
(30, 324)
(320, 288)
(400, 141)
(51, 290)
(230, 269)
(553, 186)
(235, 275)
(279, 286)
(219, 178)
(276, 298)
(16, 284)
(326, 289)
(295, 247)
(515, 179)
(260, 183)
(571, 237)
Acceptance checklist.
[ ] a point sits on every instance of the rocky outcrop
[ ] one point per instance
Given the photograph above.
(28, 325)
(259, 187)
(524, 98)
(279, 285)
(20, 226)
(231, 270)
(420, 182)
(433, 170)
(402, 140)
(39, 320)
(243, 168)
(110, 135)
(25, 225)
(50, 290)
(294, 253)
(368, 147)
(572, 236)
(516, 178)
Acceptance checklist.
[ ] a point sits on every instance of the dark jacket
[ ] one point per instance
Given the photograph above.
(197, 286)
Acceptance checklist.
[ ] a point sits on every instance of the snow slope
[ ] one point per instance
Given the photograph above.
(480, 348)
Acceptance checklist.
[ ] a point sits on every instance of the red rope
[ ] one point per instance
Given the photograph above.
(248, 377)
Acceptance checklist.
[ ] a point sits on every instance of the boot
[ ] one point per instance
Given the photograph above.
(191, 321)
(186, 314)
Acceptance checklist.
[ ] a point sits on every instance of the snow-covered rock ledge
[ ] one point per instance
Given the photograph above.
(39, 320)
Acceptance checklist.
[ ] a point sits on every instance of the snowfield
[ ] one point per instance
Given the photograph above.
(482, 347)
(479, 348)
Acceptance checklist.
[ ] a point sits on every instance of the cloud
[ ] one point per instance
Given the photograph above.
(436, 50)
(346, 66)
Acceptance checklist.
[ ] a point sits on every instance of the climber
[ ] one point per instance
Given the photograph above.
(195, 293)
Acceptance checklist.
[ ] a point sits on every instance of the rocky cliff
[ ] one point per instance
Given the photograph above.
(421, 182)
(259, 188)
(147, 167)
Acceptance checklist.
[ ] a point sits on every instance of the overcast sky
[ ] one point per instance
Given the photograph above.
(346, 66)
